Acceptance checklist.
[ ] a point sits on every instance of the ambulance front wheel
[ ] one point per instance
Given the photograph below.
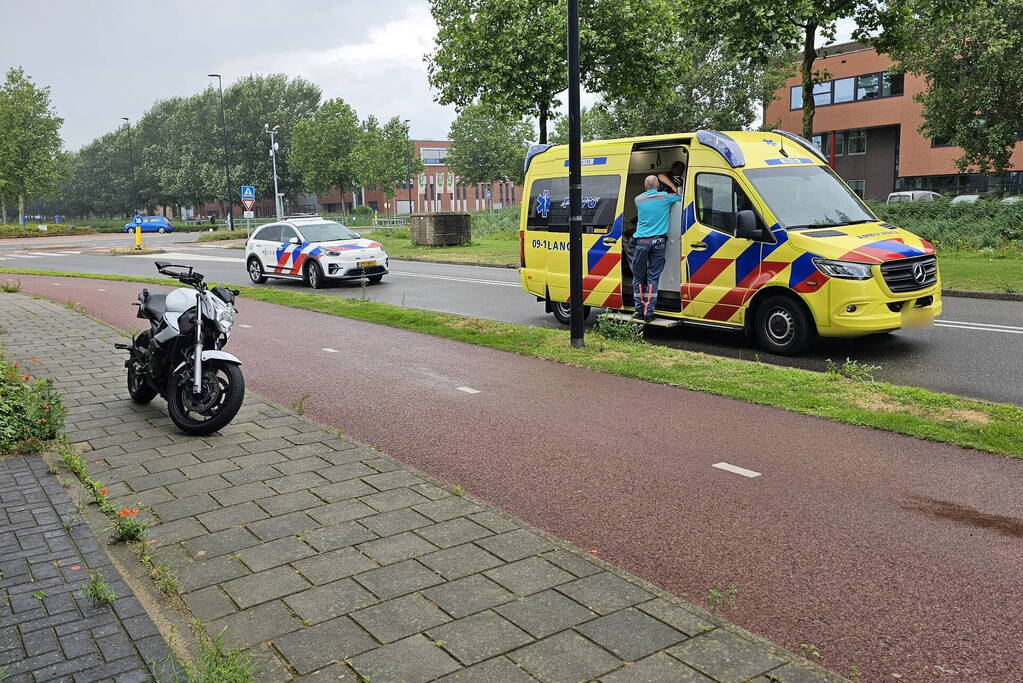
(783, 325)
(562, 310)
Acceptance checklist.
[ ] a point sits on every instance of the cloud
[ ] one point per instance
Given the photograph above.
(384, 74)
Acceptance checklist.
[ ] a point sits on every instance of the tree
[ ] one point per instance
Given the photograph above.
(711, 90)
(29, 139)
(968, 53)
(323, 148)
(510, 54)
(385, 155)
(486, 146)
(745, 28)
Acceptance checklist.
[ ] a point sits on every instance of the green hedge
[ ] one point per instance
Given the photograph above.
(31, 230)
(30, 409)
(220, 235)
(983, 224)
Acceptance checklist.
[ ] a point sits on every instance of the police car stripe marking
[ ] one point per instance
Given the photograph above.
(736, 470)
(469, 390)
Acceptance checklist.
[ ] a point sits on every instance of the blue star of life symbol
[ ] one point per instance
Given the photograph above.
(543, 203)
(770, 142)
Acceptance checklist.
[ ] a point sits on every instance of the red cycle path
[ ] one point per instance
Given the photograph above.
(895, 555)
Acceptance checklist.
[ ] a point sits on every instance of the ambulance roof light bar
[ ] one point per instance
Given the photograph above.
(532, 152)
(723, 145)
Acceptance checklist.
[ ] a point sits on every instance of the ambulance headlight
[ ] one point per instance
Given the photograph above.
(845, 270)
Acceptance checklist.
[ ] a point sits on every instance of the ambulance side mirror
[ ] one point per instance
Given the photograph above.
(746, 226)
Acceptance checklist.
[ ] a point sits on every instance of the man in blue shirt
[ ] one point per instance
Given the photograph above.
(652, 208)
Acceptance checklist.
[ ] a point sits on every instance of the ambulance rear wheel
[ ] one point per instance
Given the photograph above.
(783, 326)
(562, 310)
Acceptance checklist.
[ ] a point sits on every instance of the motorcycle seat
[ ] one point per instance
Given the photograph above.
(154, 306)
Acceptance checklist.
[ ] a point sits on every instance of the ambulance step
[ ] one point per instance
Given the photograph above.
(656, 322)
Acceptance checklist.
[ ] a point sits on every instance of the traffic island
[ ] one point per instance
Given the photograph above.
(319, 555)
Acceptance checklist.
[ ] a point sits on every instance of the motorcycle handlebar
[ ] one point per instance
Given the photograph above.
(190, 277)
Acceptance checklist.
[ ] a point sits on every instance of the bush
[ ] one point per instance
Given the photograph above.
(615, 329)
(30, 410)
(501, 223)
(31, 230)
(957, 226)
(223, 235)
(363, 212)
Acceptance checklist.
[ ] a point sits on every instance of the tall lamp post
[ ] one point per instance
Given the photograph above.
(272, 132)
(131, 166)
(408, 138)
(575, 181)
(227, 164)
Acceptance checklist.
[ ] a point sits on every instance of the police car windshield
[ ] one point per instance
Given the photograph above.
(326, 232)
(808, 196)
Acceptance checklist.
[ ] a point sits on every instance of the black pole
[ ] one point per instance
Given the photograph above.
(131, 166)
(575, 187)
(227, 163)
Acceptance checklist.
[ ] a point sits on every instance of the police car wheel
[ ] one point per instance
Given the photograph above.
(314, 275)
(562, 310)
(783, 326)
(255, 269)
(374, 279)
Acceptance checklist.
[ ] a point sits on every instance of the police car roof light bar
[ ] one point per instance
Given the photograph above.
(723, 145)
(803, 142)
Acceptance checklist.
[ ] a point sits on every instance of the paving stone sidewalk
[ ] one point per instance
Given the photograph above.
(323, 556)
(48, 629)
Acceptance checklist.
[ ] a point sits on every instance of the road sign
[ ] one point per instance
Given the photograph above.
(248, 196)
(137, 220)
(248, 214)
(488, 194)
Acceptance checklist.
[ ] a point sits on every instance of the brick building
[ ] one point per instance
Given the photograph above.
(867, 124)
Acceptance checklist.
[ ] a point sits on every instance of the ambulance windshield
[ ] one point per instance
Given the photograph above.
(808, 196)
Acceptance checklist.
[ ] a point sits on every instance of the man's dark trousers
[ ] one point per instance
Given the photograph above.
(647, 264)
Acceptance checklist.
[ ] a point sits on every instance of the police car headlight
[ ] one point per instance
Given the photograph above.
(845, 270)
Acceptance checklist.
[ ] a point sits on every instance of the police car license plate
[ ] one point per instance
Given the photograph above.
(366, 264)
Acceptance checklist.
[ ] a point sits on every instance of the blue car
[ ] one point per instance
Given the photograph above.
(152, 224)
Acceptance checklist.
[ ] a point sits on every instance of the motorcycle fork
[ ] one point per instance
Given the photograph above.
(197, 355)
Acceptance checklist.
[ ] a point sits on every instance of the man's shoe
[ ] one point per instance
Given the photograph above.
(638, 316)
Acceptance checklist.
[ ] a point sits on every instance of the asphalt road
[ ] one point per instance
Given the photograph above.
(975, 349)
(894, 555)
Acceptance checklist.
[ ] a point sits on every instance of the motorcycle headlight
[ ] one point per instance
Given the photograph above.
(846, 270)
(225, 319)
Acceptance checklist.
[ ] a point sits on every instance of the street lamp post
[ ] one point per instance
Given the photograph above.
(272, 132)
(227, 164)
(411, 205)
(131, 166)
(575, 181)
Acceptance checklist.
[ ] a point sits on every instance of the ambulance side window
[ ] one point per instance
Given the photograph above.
(719, 199)
(548, 203)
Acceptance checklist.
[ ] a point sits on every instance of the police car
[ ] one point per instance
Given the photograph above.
(312, 249)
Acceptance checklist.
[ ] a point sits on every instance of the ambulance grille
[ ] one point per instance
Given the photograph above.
(904, 276)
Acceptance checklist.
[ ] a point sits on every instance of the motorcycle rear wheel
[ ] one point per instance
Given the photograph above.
(222, 395)
(138, 389)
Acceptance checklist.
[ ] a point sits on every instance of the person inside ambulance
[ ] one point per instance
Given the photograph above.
(652, 209)
(672, 180)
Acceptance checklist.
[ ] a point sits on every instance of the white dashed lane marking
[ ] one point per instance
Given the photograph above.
(736, 470)
(469, 390)
(246, 326)
(329, 350)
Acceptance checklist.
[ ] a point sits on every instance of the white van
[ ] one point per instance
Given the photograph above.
(912, 196)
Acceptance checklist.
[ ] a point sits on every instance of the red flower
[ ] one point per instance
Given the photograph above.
(134, 512)
(102, 492)
(34, 359)
(123, 512)
(25, 378)
(42, 419)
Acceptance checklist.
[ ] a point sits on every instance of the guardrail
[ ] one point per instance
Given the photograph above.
(389, 223)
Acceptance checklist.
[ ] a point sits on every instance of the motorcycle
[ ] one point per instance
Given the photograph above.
(180, 356)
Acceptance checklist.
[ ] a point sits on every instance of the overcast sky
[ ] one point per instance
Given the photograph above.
(105, 59)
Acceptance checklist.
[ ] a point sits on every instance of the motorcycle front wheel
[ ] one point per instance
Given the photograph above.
(223, 389)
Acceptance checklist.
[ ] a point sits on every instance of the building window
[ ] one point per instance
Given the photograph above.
(940, 142)
(823, 142)
(851, 89)
(857, 187)
(856, 142)
(433, 156)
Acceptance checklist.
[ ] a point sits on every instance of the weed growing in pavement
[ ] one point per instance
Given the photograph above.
(854, 674)
(39, 595)
(72, 461)
(614, 329)
(299, 405)
(852, 369)
(718, 598)
(98, 591)
(128, 528)
(457, 490)
(69, 521)
(11, 286)
(3, 674)
(165, 581)
(363, 285)
(215, 663)
(809, 650)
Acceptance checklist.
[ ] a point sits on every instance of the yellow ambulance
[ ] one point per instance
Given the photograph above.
(767, 240)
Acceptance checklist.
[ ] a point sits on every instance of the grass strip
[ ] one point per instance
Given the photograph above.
(991, 427)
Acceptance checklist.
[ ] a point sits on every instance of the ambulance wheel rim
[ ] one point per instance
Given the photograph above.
(780, 326)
